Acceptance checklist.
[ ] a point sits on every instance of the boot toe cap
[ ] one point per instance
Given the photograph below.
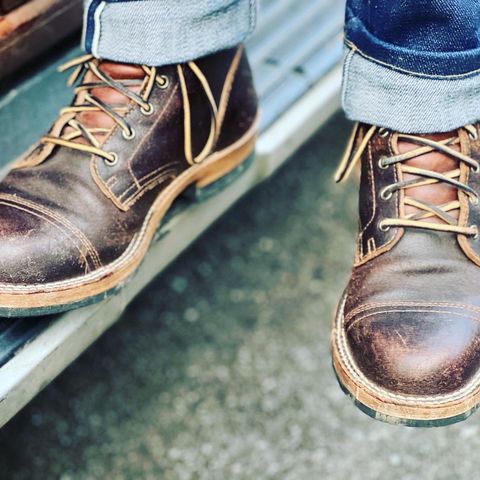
(416, 350)
(36, 249)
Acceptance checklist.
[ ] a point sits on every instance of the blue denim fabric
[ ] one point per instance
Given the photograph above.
(161, 32)
(427, 37)
(375, 94)
(412, 65)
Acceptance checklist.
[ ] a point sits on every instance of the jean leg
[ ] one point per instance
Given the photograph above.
(412, 65)
(161, 32)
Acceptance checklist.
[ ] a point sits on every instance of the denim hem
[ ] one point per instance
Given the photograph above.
(377, 95)
(163, 32)
(417, 62)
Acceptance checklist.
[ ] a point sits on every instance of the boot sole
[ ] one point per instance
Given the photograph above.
(197, 184)
(383, 405)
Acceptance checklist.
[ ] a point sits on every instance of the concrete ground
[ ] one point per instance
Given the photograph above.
(221, 369)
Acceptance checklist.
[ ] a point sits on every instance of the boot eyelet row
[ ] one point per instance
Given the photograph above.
(130, 135)
(383, 228)
(382, 165)
(165, 82)
(114, 161)
(147, 111)
(386, 194)
(473, 136)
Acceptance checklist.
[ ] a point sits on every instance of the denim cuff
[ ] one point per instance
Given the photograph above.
(421, 61)
(378, 95)
(163, 32)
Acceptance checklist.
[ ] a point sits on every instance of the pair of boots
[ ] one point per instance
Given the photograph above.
(78, 212)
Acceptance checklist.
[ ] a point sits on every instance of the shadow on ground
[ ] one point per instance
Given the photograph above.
(221, 368)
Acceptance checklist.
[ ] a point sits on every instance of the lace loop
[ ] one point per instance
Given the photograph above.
(91, 103)
(423, 177)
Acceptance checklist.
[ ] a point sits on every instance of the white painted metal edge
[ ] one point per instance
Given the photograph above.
(40, 361)
(300, 122)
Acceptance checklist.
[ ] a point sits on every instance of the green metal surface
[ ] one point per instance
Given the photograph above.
(29, 104)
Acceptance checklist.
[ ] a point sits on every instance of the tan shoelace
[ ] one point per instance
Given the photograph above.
(427, 177)
(90, 103)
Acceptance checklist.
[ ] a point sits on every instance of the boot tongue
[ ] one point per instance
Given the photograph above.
(108, 95)
(438, 193)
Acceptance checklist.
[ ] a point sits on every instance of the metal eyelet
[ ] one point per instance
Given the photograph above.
(381, 165)
(473, 136)
(477, 235)
(114, 160)
(476, 168)
(165, 82)
(147, 111)
(130, 135)
(383, 132)
(383, 228)
(474, 200)
(386, 194)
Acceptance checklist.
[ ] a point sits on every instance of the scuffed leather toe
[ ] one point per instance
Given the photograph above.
(397, 352)
(30, 238)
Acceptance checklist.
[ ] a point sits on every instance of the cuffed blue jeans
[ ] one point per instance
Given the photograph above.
(410, 65)
(162, 32)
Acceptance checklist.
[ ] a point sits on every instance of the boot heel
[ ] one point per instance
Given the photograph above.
(213, 184)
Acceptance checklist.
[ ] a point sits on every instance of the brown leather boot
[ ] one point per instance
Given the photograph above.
(406, 338)
(78, 213)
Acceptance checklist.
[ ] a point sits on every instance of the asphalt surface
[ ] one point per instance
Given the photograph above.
(221, 368)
